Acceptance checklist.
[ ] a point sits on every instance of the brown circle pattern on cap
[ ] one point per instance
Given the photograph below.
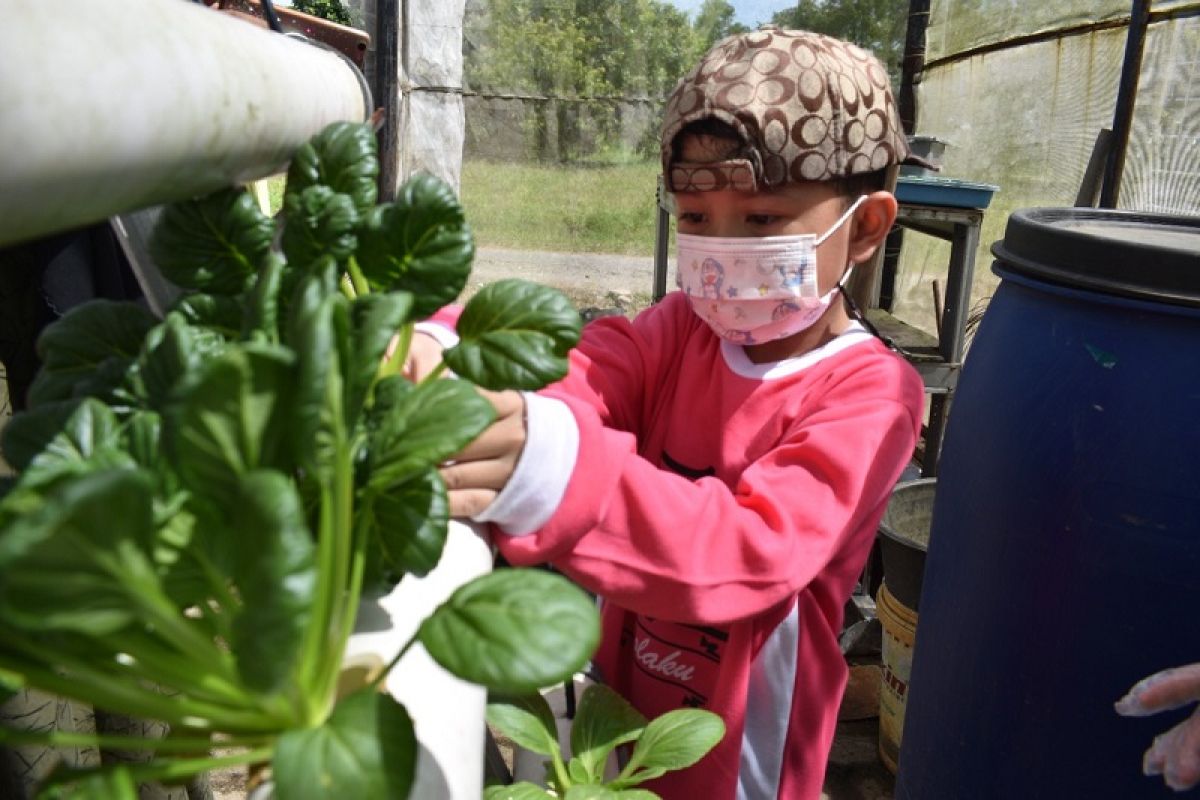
(812, 107)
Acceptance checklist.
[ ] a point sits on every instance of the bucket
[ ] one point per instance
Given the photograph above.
(904, 539)
(899, 634)
(1064, 558)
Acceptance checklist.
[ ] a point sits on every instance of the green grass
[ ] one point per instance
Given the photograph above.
(570, 209)
(582, 209)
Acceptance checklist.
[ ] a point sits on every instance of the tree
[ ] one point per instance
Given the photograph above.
(877, 25)
(714, 21)
(332, 10)
(580, 49)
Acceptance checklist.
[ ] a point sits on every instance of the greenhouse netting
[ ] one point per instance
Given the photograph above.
(1021, 89)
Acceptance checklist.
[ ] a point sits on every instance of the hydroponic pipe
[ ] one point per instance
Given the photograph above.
(109, 107)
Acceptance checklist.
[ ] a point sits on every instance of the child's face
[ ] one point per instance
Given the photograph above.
(795, 208)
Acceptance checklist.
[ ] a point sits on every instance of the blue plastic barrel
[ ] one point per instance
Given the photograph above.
(1064, 557)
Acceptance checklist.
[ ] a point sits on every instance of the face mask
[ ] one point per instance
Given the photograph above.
(753, 290)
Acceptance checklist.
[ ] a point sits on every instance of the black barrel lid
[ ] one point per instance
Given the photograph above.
(1124, 253)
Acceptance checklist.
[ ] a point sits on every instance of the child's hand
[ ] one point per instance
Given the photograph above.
(1175, 754)
(476, 475)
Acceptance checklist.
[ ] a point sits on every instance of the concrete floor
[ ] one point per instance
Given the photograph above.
(855, 771)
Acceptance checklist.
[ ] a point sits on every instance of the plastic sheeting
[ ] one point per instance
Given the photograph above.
(1025, 116)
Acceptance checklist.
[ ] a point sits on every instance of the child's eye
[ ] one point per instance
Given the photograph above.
(761, 220)
(691, 217)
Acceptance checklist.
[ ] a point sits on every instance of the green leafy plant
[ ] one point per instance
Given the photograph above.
(332, 10)
(603, 721)
(203, 499)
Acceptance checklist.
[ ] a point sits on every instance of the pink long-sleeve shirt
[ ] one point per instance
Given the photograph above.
(724, 511)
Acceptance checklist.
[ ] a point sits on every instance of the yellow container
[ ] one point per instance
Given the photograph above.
(899, 633)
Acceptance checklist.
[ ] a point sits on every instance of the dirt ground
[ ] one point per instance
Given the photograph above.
(595, 282)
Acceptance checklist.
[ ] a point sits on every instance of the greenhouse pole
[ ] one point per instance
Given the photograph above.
(419, 85)
(388, 58)
(910, 68)
(1135, 45)
(913, 63)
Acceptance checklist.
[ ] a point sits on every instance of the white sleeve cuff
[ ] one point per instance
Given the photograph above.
(538, 483)
(446, 337)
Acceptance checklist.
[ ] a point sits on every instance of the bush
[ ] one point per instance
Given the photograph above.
(332, 10)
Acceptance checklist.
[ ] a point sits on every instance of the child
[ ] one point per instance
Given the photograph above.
(716, 469)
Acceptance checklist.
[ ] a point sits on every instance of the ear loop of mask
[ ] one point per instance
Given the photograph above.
(855, 311)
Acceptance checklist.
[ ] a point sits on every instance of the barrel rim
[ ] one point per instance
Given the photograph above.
(1037, 245)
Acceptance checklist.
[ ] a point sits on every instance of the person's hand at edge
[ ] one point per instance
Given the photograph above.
(1175, 754)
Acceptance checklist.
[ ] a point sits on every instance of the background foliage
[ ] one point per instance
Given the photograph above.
(332, 10)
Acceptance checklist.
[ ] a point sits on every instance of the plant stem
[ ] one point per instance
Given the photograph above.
(383, 673)
(169, 669)
(357, 279)
(171, 744)
(344, 598)
(172, 770)
(312, 648)
(116, 693)
(346, 287)
(435, 373)
(395, 363)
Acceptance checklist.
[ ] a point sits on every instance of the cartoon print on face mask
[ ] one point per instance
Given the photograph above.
(712, 275)
(791, 275)
(784, 309)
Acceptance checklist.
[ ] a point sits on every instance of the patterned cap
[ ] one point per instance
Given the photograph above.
(809, 108)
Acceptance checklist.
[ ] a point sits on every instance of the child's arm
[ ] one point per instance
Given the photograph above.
(709, 550)
(701, 552)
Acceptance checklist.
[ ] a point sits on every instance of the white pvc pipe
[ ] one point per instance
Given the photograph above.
(448, 713)
(106, 107)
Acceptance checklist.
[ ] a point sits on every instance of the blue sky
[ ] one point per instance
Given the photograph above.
(748, 12)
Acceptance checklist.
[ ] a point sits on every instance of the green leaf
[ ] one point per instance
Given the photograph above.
(366, 750)
(675, 740)
(516, 791)
(514, 335)
(420, 244)
(219, 313)
(375, 319)
(603, 721)
(276, 578)
(578, 773)
(318, 333)
(141, 438)
(226, 420)
(410, 522)
(109, 783)
(88, 351)
(320, 222)
(31, 431)
(68, 566)
(527, 720)
(212, 244)
(589, 792)
(513, 630)
(422, 428)
(262, 315)
(91, 430)
(634, 794)
(342, 157)
(170, 351)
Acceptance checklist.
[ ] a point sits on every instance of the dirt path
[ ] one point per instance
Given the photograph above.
(601, 281)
